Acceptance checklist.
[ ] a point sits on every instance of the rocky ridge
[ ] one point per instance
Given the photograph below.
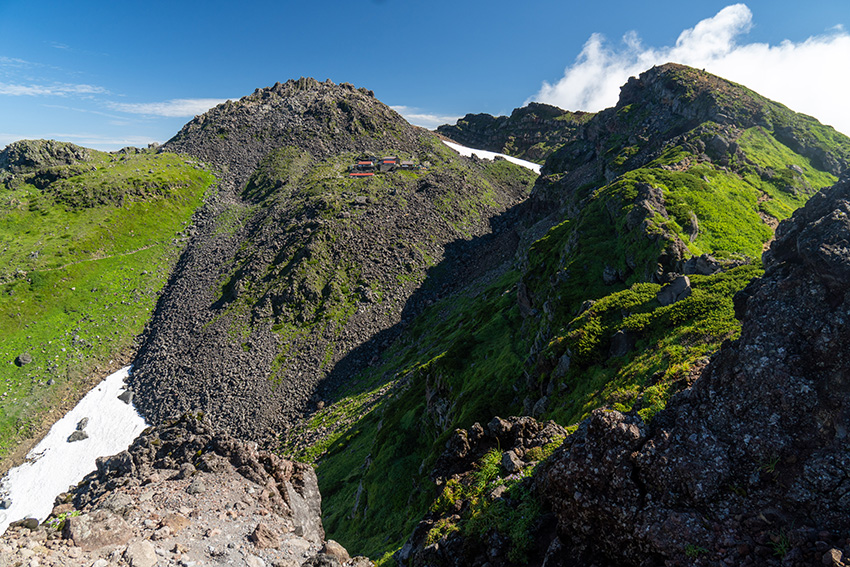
(639, 170)
(639, 234)
(749, 465)
(532, 132)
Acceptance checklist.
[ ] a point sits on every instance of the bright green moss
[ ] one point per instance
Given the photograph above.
(83, 260)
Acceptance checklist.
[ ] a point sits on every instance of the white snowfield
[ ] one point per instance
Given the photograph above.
(55, 464)
(484, 154)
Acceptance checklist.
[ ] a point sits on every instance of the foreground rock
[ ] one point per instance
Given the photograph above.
(445, 537)
(139, 508)
(750, 466)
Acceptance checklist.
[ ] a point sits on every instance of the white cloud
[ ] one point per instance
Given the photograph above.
(177, 108)
(807, 76)
(83, 110)
(56, 89)
(430, 121)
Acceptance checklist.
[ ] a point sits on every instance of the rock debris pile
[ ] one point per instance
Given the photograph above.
(183, 496)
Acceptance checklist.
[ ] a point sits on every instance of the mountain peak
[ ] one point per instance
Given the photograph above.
(696, 94)
(321, 118)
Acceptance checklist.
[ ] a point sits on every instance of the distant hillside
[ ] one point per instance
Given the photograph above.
(532, 132)
(87, 239)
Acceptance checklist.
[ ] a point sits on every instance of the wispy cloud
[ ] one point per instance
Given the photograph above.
(83, 110)
(807, 76)
(99, 141)
(419, 118)
(177, 108)
(13, 62)
(56, 89)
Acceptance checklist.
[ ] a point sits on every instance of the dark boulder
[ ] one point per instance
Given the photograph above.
(77, 435)
(677, 290)
(126, 396)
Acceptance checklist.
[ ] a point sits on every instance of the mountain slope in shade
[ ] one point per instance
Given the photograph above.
(687, 176)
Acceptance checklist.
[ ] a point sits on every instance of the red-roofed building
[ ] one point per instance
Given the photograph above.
(388, 163)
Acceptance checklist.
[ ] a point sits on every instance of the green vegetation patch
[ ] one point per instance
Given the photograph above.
(489, 499)
(83, 259)
(452, 372)
(667, 344)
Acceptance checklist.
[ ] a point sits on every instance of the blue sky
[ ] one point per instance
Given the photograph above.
(110, 74)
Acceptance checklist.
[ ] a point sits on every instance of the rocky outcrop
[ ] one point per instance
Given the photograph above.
(532, 132)
(29, 155)
(750, 465)
(190, 445)
(41, 162)
(183, 495)
(320, 117)
(442, 538)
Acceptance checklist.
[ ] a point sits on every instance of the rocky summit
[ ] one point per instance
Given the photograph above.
(636, 358)
(320, 117)
(183, 495)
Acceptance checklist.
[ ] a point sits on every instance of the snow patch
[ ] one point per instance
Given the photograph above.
(55, 464)
(484, 154)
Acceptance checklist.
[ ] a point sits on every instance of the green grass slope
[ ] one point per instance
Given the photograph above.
(541, 338)
(85, 245)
